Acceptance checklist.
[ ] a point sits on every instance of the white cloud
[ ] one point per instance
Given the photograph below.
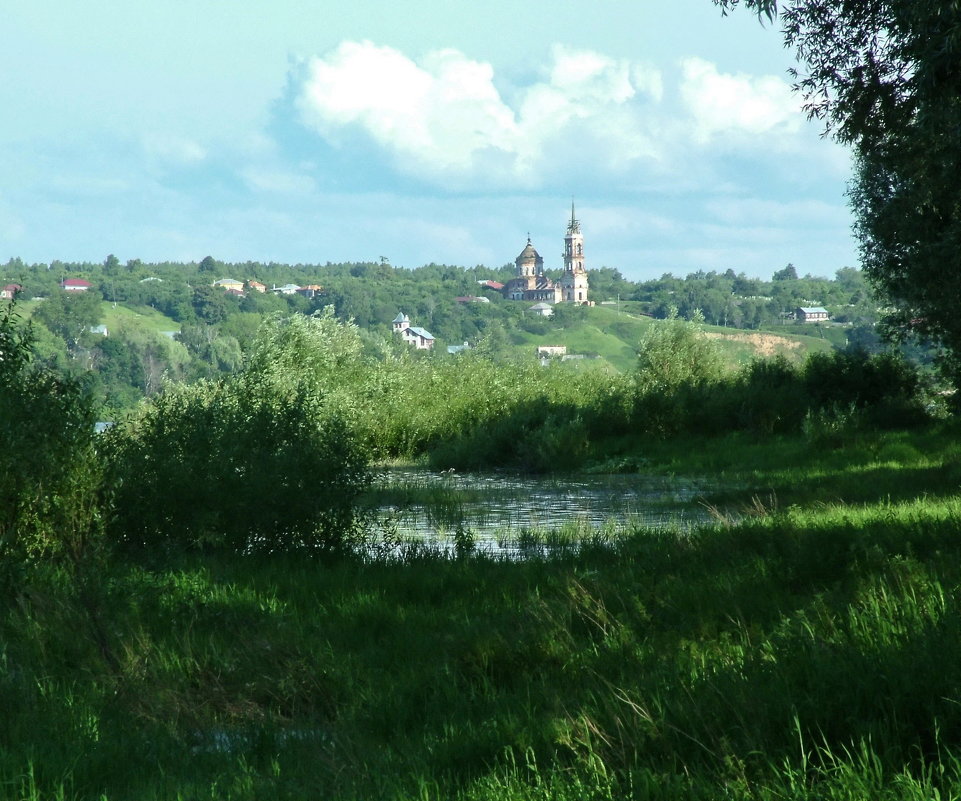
(439, 114)
(443, 118)
(724, 104)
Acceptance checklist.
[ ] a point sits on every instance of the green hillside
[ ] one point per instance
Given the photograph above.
(116, 316)
(613, 335)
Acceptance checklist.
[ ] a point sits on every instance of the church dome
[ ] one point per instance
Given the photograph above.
(529, 263)
(528, 254)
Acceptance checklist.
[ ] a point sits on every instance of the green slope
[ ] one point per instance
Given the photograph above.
(119, 316)
(614, 335)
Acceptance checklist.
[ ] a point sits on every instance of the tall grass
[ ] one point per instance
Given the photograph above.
(807, 645)
(806, 651)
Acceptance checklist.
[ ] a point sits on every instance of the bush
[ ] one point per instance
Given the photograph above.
(770, 397)
(262, 461)
(49, 469)
(674, 352)
(886, 385)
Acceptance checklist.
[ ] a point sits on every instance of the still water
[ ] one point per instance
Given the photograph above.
(495, 507)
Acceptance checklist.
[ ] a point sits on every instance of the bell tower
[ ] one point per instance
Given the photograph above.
(574, 282)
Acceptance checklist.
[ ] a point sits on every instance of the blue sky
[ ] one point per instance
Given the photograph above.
(308, 132)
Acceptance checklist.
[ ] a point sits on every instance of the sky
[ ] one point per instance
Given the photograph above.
(414, 131)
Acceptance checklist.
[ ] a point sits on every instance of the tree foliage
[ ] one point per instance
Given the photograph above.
(259, 461)
(675, 352)
(884, 75)
(49, 475)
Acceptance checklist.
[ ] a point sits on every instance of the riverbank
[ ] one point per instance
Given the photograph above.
(806, 646)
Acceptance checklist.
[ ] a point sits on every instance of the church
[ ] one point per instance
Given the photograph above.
(531, 283)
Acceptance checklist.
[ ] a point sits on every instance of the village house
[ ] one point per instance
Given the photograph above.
(229, 283)
(9, 291)
(811, 314)
(256, 286)
(420, 338)
(310, 291)
(75, 285)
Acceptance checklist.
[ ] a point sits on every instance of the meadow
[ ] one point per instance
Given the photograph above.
(805, 646)
(195, 606)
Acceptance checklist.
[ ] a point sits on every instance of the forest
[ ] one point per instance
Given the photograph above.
(142, 324)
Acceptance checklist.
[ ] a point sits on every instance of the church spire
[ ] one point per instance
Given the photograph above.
(574, 226)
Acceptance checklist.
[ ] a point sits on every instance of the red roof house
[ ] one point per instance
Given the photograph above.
(75, 284)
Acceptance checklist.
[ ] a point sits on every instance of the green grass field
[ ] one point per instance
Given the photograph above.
(808, 646)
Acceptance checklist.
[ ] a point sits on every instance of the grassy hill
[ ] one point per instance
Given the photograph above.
(613, 335)
(119, 316)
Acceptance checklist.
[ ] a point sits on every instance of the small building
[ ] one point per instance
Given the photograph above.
(420, 338)
(472, 299)
(99, 329)
(497, 286)
(256, 286)
(543, 309)
(545, 351)
(75, 285)
(454, 349)
(811, 314)
(234, 293)
(10, 291)
(286, 289)
(311, 290)
(230, 283)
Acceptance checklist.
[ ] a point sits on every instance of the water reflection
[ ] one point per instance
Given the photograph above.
(498, 506)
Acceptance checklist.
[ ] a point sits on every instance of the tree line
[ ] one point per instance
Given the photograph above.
(211, 331)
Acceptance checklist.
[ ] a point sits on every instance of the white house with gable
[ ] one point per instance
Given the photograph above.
(420, 338)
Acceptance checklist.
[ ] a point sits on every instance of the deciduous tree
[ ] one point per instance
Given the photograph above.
(885, 77)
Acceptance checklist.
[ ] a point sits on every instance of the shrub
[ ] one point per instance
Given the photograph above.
(885, 384)
(263, 461)
(49, 469)
(770, 396)
(674, 352)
